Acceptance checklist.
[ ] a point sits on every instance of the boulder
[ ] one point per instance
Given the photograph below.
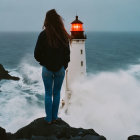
(134, 137)
(4, 74)
(40, 130)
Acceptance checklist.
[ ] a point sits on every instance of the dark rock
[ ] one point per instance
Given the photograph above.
(40, 130)
(10, 136)
(3, 135)
(134, 137)
(2, 70)
(91, 137)
(4, 74)
(43, 138)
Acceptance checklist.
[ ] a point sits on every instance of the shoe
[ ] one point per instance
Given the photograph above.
(48, 122)
(56, 121)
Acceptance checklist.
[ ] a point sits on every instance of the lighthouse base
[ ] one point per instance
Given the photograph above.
(66, 101)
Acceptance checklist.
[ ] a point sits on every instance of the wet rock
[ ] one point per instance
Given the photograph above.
(91, 137)
(43, 138)
(40, 130)
(4, 74)
(134, 137)
(3, 135)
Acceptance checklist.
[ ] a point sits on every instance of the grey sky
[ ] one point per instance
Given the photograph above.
(97, 15)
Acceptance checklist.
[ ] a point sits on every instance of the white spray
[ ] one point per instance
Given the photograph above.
(108, 102)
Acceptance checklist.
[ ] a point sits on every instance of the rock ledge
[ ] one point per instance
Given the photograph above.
(40, 130)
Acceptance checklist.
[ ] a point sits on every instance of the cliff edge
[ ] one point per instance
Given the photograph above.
(40, 130)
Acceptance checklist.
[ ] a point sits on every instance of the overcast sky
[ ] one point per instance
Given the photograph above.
(97, 15)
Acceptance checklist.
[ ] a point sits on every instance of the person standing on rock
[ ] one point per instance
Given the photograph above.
(52, 51)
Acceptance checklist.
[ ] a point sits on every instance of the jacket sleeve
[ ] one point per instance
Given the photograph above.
(66, 56)
(38, 49)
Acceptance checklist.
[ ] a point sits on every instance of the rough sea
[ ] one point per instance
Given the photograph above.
(107, 100)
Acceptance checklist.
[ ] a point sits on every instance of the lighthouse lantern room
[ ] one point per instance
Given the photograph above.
(77, 31)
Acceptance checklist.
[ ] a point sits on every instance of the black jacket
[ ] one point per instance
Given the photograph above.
(53, 58)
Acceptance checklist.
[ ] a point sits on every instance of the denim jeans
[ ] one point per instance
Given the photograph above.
(52, 83)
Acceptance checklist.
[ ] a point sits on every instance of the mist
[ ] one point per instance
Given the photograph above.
(108, 102)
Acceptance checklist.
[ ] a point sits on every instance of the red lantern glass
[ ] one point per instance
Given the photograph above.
(77, 27)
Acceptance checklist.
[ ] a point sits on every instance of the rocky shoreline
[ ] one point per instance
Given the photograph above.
(40, 130)
(4, 74)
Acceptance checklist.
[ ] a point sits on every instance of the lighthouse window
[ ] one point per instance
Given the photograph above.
(81, 63)
(81, 51)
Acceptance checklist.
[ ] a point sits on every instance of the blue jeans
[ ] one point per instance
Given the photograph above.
(52, 83)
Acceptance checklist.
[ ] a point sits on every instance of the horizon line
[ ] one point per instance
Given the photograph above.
(27, 31)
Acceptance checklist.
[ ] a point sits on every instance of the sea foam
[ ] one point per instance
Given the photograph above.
(108, 102)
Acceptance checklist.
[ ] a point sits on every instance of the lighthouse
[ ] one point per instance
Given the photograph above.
(77, 64)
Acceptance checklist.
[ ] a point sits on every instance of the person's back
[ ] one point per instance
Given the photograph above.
(53, 53)
(51, 57)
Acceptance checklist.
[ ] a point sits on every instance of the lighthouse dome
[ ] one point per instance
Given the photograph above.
(77, 21)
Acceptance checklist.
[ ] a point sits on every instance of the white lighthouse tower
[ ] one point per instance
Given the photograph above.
(77, 64)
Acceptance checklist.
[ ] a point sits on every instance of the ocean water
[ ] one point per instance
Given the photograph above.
(107, 100)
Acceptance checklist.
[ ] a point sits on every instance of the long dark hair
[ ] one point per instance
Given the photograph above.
(55, 30)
